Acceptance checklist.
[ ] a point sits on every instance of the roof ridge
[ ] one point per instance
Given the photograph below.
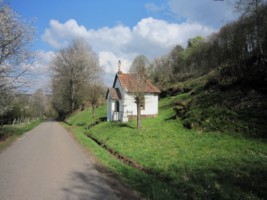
(129, 83)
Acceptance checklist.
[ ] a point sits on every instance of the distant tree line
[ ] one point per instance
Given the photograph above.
(27, 107)
(239, 43)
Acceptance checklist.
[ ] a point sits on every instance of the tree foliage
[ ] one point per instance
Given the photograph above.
(15, 39)
(25, 107)
(39, 104)
(15, 55)
(236, 43)
(139, 65)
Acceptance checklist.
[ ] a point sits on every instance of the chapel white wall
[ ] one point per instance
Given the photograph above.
(151, 104)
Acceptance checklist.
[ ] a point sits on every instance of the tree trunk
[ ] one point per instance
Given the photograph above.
(2, 123)
(93, 110)
(72, 102)
(139, 124)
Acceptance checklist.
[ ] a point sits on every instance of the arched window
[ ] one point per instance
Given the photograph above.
(117, 106)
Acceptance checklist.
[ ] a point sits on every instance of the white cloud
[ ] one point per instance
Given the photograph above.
(39, 70)
(153, 37)
(151, 7)
(53, 36)
(42, 61)
(108, 60)
(207, 12)
(150, 37)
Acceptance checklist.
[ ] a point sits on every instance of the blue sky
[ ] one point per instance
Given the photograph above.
(93, 14)
(117, 29)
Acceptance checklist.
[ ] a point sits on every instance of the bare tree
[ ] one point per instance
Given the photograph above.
(139, 72)
(252, 8)
(248, 7)
(73, 67)
(161, 70)
(94, 93)
(139, 65)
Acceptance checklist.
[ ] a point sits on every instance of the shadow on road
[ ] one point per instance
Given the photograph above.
(87, 185)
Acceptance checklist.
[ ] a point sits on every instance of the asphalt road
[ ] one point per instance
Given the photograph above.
(47, 164)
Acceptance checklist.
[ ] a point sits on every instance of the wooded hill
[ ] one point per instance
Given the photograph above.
(242, 44)
(225, 75)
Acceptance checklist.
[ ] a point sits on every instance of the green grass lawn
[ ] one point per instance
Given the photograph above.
(85, 117)
(10, 133)
(199, 165)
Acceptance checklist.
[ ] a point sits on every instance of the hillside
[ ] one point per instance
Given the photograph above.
(226, 104)
(195, 149)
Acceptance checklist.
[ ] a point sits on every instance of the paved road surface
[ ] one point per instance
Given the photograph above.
(47, 164)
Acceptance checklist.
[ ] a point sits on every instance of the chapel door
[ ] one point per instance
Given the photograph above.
(117, 106)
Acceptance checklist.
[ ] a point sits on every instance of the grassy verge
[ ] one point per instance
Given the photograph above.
(10, 133)
(149, 186)
(200, 165)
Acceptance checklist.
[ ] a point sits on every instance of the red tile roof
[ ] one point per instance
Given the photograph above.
(130, 83)
(114, 93)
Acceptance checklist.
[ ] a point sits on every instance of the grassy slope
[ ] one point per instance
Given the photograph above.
(200, 165)
(219, 104)
(85, 117)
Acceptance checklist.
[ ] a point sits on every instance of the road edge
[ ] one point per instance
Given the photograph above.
(120, 188)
